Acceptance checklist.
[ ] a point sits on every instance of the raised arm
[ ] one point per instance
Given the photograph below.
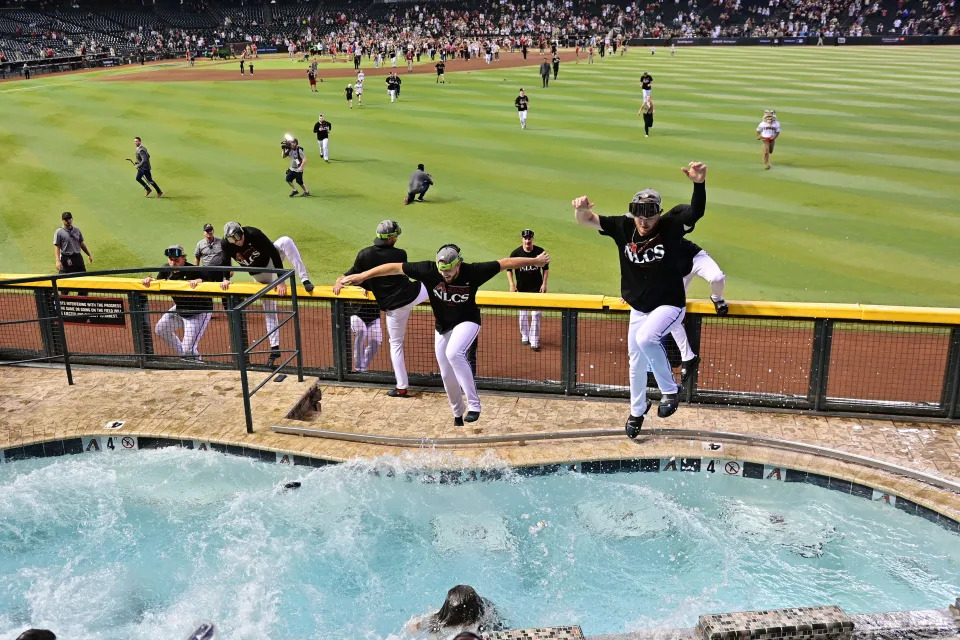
(583, 212)
(541, 260)
(697, 172)
(389, 269)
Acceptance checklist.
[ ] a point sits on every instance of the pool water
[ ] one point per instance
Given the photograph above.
(146, 545)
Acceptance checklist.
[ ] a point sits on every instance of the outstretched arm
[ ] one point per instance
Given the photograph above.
(697, 172)
(389, 269)
(583, 212)
(541, 260)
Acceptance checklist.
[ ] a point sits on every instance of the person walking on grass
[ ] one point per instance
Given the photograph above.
(646, 110)
(142, 164)
(767, 133)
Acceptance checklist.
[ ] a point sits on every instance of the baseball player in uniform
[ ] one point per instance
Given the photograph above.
(323, 128)
(651, 283)
(767, 133)
(646, 84)
(453, 286)
(695, 261)
(367, 334)
(529, 279)
(522, 103)
(190, 314)
(358, 88)
(392, 86)
(67, 245)
(396, 295)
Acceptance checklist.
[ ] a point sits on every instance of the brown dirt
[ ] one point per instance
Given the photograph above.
(198, 74)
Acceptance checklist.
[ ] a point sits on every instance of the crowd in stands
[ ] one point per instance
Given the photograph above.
(48, 29)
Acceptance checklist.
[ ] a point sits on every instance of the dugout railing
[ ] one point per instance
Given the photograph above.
(826, 358)
(99, 318)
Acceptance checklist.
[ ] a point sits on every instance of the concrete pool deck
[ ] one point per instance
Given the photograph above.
(36, 405)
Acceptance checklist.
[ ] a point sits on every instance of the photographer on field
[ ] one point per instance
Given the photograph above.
(298, 160)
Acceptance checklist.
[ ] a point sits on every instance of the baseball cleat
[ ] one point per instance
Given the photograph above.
(535, 347)
(721, 306)
(668, 405)
(687, 367)
(304, 194)
(458, 421)
(293, 193)
(308, 286)
(398, 393)
(635, 423)
(524, 342)
(472, 416)
(274, 356)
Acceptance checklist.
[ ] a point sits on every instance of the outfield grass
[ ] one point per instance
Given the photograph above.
(861, 205)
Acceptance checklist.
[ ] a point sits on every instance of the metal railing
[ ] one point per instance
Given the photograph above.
(83, 329)
(826, 358)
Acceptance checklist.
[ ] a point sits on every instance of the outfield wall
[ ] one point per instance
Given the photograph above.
(832, 358)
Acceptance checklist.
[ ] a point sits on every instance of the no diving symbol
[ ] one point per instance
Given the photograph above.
(732, 468)
(128, 443)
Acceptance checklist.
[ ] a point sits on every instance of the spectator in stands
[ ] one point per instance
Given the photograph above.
(463, 612)
(67, 245)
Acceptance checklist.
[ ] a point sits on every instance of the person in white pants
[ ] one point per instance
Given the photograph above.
(367, 334)
(396, 295)
(648, 245)
(522, 103)
(323, 128)
(289, 252)
(190, 314)
(529, 280)
(453, 286)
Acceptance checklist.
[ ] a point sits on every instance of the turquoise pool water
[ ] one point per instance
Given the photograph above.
(144, 545)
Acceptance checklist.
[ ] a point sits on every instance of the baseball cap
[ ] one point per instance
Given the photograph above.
(448, 257)
(174, 251)
(526, 233)
(208, 227)
(645, 204)
(66, 215)
(386, 230)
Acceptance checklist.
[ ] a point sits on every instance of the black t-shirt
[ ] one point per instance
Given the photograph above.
(189, 306)
(392, 83)
(521, 103)
(257, 251)
(529, 279)
(650, 265)
(687, 251)
(455, 302)
(440, 68)
(391, 292)
(322, 129)
(645, 81)
(349, 91)
(556, 60)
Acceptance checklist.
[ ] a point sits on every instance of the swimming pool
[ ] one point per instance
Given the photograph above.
(143, 545)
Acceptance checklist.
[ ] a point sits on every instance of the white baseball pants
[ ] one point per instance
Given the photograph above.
(324, 151)
(645, 344)
(290, 253)
(452, 348)
(193, 328)
(366, 341)
(523, 119)
(393, 94)
(646, 94)
(270, 306)
(530, 326)
(708, 269)
(397, 331)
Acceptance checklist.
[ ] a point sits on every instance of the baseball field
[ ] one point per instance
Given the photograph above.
(861, 204)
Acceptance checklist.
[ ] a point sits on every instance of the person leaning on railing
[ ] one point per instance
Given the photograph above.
(453, 286)
(651, 283)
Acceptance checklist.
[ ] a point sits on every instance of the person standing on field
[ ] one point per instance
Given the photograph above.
(529, 279)
(556, 65)
(67, 245)
(767, 133)
(142, 164)
(323, 128)
(545, 73)
(648, 245)
(646, 110)
(298, 160)
(396, 295)
(349, 93)
(441, 67)
(646, 83)
(522, 103)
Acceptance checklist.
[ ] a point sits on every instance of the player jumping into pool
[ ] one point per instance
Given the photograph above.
(651, 283)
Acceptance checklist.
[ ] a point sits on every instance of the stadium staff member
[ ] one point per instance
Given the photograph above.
(767, 132)
(522, 103)
(651, 283)
(545, 73)
(209, 251)
(396, 295)
(529, 279)
(323, 128)
(142, 164)
(67, 245)
(453, 286)
(420, 181)
(191, 314)
(298, 160)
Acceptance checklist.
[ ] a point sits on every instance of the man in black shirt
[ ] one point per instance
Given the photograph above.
(556, 65)
(521, 103)
(545, 73)
(646, 83)
(396, 295)
(189, 313)
(392, 85)
(651, 283)
(349, 93)
(441, 67)
(250, 247)
(323, 128)
(530, 279)
(453, 286)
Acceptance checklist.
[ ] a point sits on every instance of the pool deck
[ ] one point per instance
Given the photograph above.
(37, 405)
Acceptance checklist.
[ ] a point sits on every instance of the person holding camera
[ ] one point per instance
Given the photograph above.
(298, 160)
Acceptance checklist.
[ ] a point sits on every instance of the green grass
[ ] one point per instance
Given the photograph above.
(861, 205)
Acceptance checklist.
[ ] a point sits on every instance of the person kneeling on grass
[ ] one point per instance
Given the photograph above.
(453, 286)
(420, 181)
